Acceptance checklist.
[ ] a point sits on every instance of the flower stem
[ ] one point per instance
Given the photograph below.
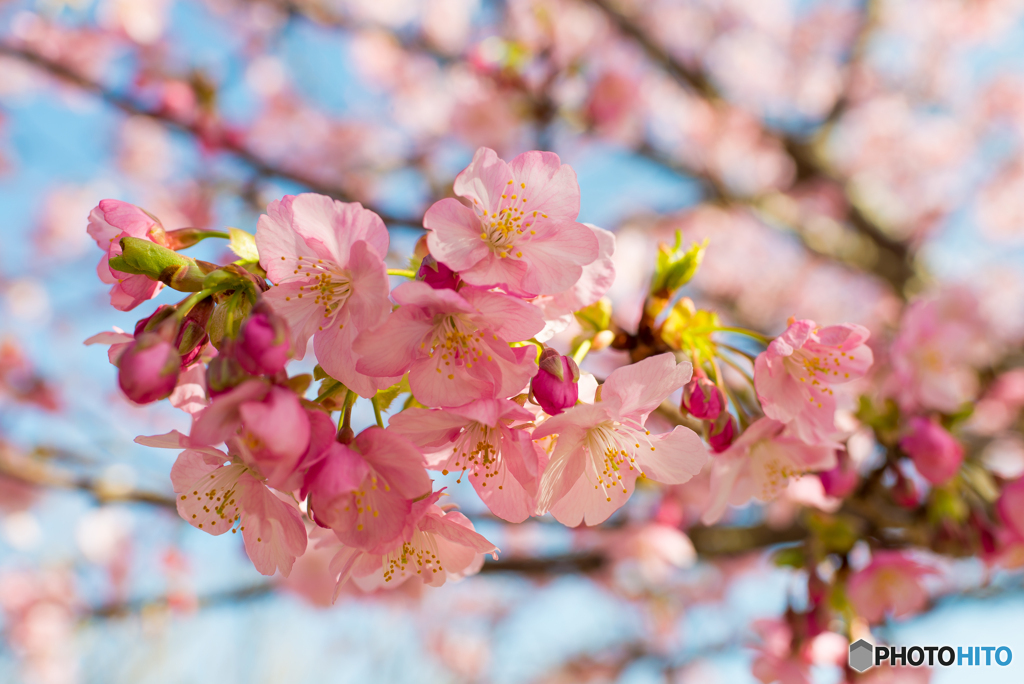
(404, 272)
(376, 411)
(743, 331)
(582, 351)
(328, 391)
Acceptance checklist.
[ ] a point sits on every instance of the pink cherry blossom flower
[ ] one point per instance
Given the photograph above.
(365, 491)
(326, 260)
(602, 448)
(437, 546)
(940, 343)
(936, 453)
(265, 425)
(455, 345)
(775, 661)
(520, 232)
(794, 377)
(216, 493)
(110, 221)
(760, 464)
(889, 585)
(503, 464)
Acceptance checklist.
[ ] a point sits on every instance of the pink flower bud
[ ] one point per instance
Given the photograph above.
(263, 346)
(841, 480)
(936, 454)
(554, 386)
(1011, 507)
(723, 432)
(437, 275)
(702, 399)
(148, 369)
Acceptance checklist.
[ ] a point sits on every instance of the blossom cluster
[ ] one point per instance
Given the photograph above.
(507, 264)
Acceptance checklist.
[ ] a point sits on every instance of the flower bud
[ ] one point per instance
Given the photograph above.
(263, 346)
(554, 386)
(841, 480)
(192, 336)
(723, 432)
(224, 373)
(702, 399)
(148, 369)
(437, 275)
(936, 453)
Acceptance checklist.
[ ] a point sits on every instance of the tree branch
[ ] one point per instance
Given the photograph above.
(130, 106)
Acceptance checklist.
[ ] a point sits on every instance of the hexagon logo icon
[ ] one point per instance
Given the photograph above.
(862, 655)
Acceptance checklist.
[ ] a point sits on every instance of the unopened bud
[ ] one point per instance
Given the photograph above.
(264, 345)
(702, 399)
(148, 369)
(841, 480)
(936, 453)
(192, 335)
(723, 432)
(554, 386)
(437, 275)
(224, 373)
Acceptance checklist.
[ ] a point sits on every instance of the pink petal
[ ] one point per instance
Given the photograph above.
(454, 234)
(484, 180)
(510, 318)
(551, 186)
(642, 386)
(304, 315)
(556, 256)
(220, 419)
(272, 529)
(389, 350)
(677, 456)
(396, 459)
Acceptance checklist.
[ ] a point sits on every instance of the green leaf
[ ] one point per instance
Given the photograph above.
(243, 244)
(319, 373)
(790, 557)
(596, 317)
(386, 396)
(674, 268)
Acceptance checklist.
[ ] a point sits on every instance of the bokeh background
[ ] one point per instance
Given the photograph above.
(841, 156)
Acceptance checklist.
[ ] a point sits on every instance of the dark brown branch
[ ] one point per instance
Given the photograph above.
(229, 596)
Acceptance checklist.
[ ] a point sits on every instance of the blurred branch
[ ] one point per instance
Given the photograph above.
(226, 597)
(221, 142)
(894, 258)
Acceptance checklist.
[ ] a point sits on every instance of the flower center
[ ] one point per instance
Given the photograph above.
(613, 447)
(328, 283)
(501, 228)
(455, 343)
(419, 554)
(478, 450)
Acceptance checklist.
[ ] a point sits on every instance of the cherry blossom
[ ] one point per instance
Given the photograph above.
(760, 464)
(889, 585)
(455, 345)
(325, 259)
(110, 221)
(437, 546)
(795, 376)
(365, 491)
(520, 232)
(479, 439)
(216, 493)
(602, 448)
